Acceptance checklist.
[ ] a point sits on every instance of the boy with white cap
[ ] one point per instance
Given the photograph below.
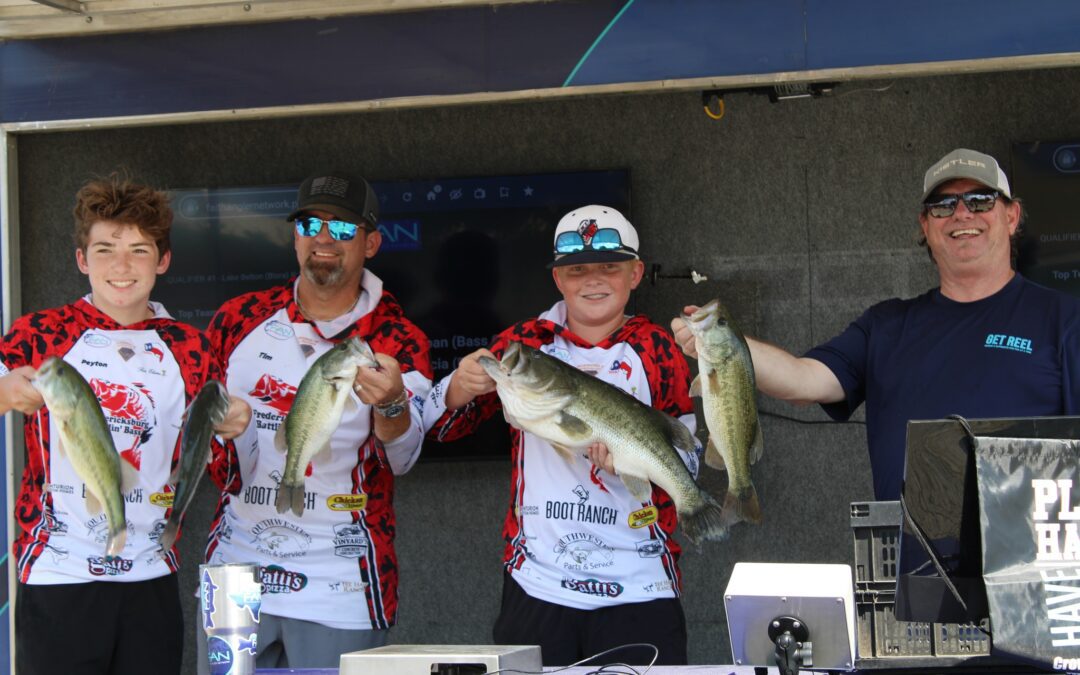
(587, 566)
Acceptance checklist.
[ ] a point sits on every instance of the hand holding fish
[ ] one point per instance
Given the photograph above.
(683, 336)
(600, 456)
(236, 419)
(470, 380)
(381, 385)
(16, 392)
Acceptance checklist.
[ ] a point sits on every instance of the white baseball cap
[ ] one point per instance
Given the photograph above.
(594, 234)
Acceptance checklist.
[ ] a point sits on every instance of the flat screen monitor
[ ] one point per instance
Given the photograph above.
(1046, 175)
(466, 257)
(941, 498)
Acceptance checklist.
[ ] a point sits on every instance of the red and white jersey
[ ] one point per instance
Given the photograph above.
(335, 564)
(144, 375)
(575, 536)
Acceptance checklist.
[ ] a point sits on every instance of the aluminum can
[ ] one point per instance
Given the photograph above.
(230, 598)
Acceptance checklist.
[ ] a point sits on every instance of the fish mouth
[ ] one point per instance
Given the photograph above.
(513, 359)
(706, 316)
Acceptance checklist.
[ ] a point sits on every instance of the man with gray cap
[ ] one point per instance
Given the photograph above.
(329, 571)
(985, 343)
(587, 565)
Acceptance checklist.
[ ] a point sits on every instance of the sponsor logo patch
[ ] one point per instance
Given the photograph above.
(347, 502)
(643, 517)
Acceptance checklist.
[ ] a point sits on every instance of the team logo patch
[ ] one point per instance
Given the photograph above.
(277, 579)
(587, 229)
(278, 330)
(100, 567)
(154, 349)
(280, 539)
(350, 540)
(97, 340)
(128, 410)
(220, 655)
(581, 552)
(1009, 342)
(274, 393)
(347, 502)
(622, 366)
(610, 589)
(649, 548)
(643, 517)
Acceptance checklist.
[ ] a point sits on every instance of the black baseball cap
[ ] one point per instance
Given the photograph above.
(347, 197)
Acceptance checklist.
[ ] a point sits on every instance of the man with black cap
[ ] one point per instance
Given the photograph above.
(985, 343)
(330, 575)
(588, 567)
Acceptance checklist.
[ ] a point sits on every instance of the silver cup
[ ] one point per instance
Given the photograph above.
(230, 598)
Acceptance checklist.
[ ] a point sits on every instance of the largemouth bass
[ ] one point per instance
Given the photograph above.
(207, 410)
(571, 410)
(726, 385)
(321, 398)
(85, 440)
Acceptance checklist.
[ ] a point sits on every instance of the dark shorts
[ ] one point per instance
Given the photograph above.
(99, 627)
(567, 635)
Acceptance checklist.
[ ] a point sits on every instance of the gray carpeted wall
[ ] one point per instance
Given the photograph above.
(801, 214)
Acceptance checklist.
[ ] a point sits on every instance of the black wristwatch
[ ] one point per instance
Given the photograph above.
(393, 408)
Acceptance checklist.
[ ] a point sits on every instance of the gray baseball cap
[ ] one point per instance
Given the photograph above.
(964, 163)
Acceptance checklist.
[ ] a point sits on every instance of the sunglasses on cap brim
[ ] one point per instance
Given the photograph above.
(604, 239)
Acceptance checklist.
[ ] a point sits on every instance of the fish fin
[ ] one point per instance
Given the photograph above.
(116, 542)
(706, 523)
(743, 507)
(57, 446)
(640, 488)
(681, 437)
(290, 497)
(281, 439)
(758, 447)
(574, 427)
(351, 405)
(93, 506)
(713, 457)
(695, 386)
(129, 476)
(567, 454)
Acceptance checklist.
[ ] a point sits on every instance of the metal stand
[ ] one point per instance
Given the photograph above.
(793, 647)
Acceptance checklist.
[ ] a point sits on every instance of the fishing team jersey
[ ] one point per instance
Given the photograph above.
(336, 564)
(574, 534)
(143, 375)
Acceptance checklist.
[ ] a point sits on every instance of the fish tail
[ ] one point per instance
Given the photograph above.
(117, 539)
(706, 523)
(168, 536)
(290, 497)
(742, 506)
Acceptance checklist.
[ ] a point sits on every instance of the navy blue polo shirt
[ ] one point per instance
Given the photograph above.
(1013, 354)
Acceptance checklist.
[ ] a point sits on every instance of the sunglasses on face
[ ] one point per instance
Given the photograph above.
(943, 206)
(604, 239)
(310, 226)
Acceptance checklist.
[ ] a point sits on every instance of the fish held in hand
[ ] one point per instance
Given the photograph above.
(85, 440)
(207, 410)
(726, 385)
(322, 397)
(571, 410)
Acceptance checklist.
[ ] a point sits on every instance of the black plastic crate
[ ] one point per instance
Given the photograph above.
(883, 641)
